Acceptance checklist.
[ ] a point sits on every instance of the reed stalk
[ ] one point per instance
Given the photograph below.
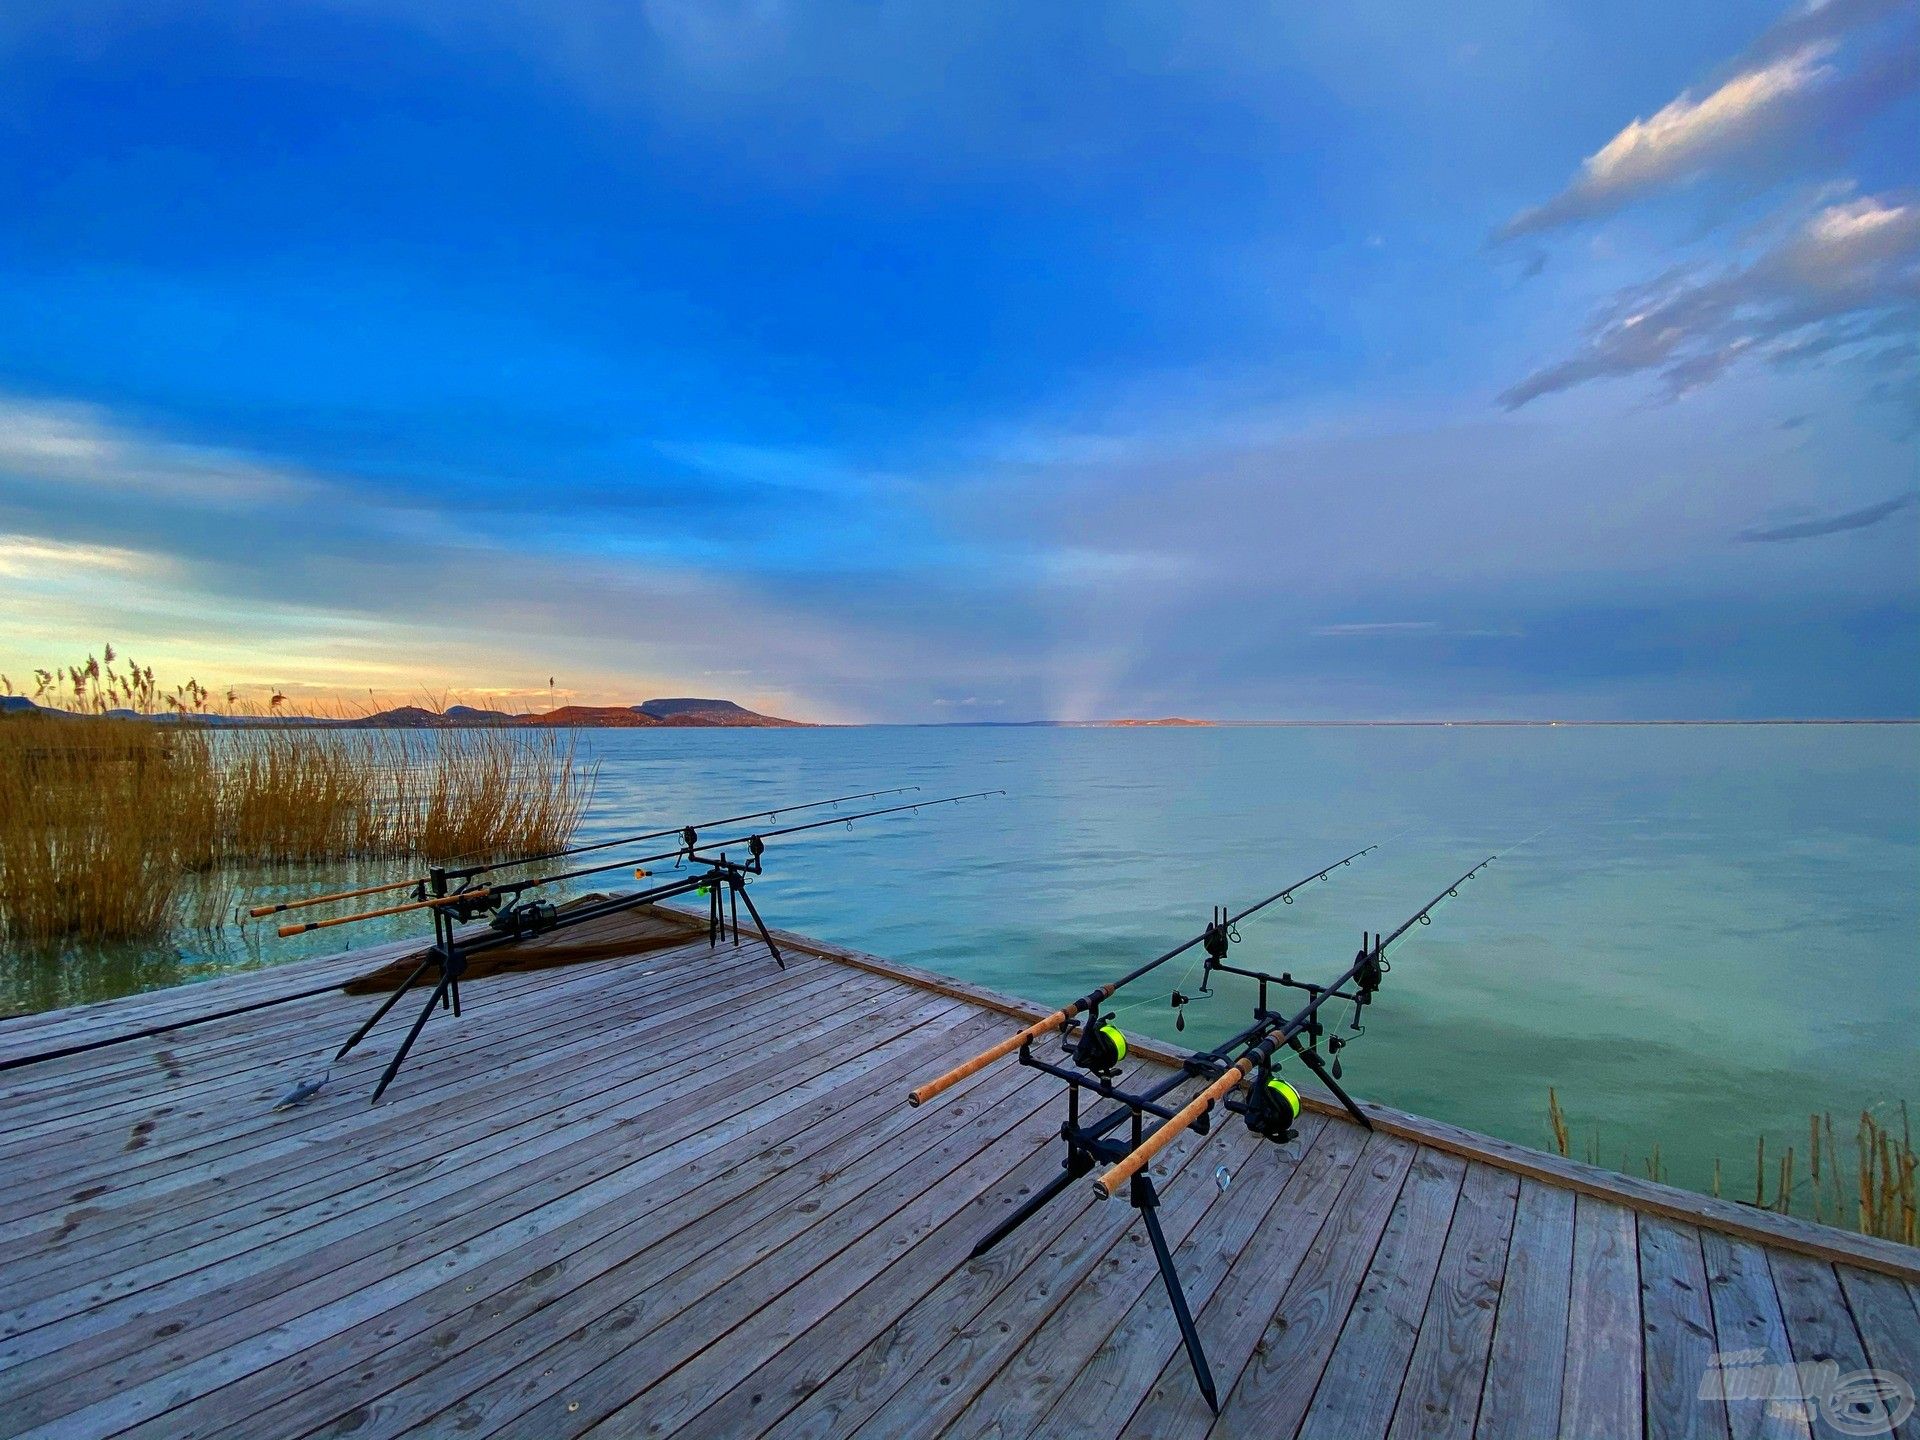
(1886, 1201)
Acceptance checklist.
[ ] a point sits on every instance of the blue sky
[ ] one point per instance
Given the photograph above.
(989, 362)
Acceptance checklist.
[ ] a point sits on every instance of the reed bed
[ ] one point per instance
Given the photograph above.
(116, 827)
(90, 826)
(1866, 1184)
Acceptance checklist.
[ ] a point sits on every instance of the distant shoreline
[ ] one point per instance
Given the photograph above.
(702, 714)
(1370, 724)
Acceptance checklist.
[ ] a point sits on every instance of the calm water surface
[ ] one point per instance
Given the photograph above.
(1694, 933)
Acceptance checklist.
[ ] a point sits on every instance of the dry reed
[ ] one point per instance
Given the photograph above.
(108, 823)
(1883, 1198)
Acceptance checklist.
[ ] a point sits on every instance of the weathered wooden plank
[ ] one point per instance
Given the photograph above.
(1362, 1382)
(858, 1221)
(1285, 1368)
(537, 1002)
(333, 1129)
(685, 1212)
(951, 1306)
(407, 1254)
(1889, 1324)
(28, 1035)
(1111, 1382)
(312, 1135)
(1008, 1091)
(1676, 1316)
(187, 1064)
(1747, 1323)
(1234, 1324)
(230, 1036)
(312, 1051)
(1527, 1360)
(1600, 1395)
(1096, 1268)
(615, 1049)
(90, 1284)
(394, 1291)
(1819, 1325)
(332, 1151)
(661, 1085)
(1448, 1370)
(841, 1397)
(555, 1180)
(207, 1132)
(345, 1117)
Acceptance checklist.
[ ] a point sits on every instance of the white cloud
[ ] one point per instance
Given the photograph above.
(35, 557)
(1816, 73)
(72, 444)
(1376, 627)
(1681, 140)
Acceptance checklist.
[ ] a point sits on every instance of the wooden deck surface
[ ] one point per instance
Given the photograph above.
(681, 1194)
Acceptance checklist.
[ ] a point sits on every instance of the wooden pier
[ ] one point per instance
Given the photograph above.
(680, 1193)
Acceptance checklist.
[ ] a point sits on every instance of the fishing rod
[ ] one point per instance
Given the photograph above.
(1365, 974)
(1215, 934)
(690, 848)
(1092, 1060)
(466, 872)
(716, 875)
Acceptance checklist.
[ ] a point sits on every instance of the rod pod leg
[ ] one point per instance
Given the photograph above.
(761, 925)
(1319, 1068)
(1147, 1202)
(1074, 1167)
(400, 1055)
(385, 1005)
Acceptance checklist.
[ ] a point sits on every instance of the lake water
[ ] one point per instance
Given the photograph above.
(1694, 933)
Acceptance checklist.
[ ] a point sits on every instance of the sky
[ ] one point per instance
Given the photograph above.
(992, 362)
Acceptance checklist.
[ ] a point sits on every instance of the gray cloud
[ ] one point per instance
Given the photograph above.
(1848, 274)
(1830, 524)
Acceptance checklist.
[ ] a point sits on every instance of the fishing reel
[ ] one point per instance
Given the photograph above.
(531, 917)
(462, 907)
(1272, 1107)
(1100, 1047)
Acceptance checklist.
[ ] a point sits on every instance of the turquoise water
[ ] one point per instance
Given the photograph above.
(1694, 933)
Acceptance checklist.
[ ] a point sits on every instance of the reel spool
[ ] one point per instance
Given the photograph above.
(1101, 1047)
(463, 908)
(532, 918)
(1272, 1107)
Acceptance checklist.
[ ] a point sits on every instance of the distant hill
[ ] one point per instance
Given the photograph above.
(684, 713)
(596, 717)
(405, 717)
